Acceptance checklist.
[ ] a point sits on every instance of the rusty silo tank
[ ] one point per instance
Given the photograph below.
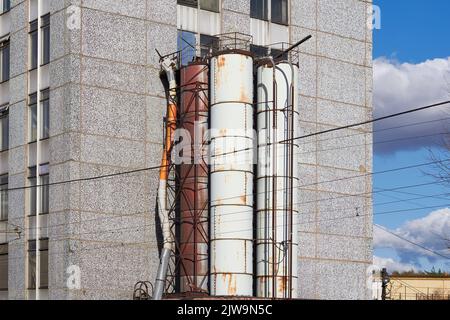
(231, 176)
(193, 180)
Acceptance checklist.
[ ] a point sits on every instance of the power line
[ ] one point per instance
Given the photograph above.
(338, 197)
(370, 121)
(146, 226)
(411, 242)
(246, 149)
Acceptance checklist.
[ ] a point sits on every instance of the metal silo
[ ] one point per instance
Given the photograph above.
(193, 180)
(277, 180)
(231, 173)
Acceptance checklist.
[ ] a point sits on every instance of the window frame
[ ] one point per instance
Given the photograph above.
(45, 191)
(213, 8)
(5, 46)
(7, 6)
(4, 194)
(281, 21)
(265, 12)
(32, 122)
(4, 122)
(32, 42)
(4, 252)
(43, 249)
(45, 38)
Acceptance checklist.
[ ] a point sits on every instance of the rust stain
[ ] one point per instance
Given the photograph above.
(362, 169)
(243, 199)
(231, 279)
(223, 132)
(221, 61)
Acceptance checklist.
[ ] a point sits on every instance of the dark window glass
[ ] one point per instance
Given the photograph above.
(280, 11)
(4, 197)
(279, 55)
(33, 45)
(210, 5)
(4, 130)
(4, 61)
(190, 3)
(4, 267)
(207, 43)
(43, 250)
(6, 5)
(44, 199)
(45, 39)
(258, 9)
(45, 102)
(32, 103)
(259, 51)
(187, 45)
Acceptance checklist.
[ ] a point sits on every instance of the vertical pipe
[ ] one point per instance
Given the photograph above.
(163, 212)
(38, 152)
(276, 255)
(231, 177)
(194, 234)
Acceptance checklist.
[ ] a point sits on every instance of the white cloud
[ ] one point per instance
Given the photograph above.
(391, 265)
(399, 87)
(429, 232)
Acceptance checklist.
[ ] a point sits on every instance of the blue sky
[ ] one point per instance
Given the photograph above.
(412, 31)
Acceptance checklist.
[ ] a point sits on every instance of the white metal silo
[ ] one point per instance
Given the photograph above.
(231, 174)
(277, 180)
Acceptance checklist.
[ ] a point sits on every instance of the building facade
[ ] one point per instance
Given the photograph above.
(81, 97)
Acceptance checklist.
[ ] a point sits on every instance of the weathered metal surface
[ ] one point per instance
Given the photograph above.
(193, 180)
(277, 180)
(231, 176)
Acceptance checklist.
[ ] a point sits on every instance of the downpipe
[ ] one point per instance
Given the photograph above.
(169, 67)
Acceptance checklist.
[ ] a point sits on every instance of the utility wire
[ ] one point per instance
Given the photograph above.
(247, 149)
(324, 199)
(411, 242)
(146, 226)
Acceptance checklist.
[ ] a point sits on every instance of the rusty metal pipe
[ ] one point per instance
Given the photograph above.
(168, 66)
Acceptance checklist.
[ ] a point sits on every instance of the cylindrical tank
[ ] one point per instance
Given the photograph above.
(277, 180)
(193, 180)
(231, 175)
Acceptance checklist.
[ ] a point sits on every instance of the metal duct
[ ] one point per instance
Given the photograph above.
(277, 181)
(193, 181)
(231, 175)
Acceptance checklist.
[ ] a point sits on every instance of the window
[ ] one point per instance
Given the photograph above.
(4, 267)
(259, 51)
(45, 115)
(4, 197)
(45, 29)
(189, 3)
(32, 103)
(187, 45)
(4, 128)
(43, 250)
(33, 44)
(44, 190)
(280, 12)
(4, 61)
(210, 5)
(206, 43)
(6, 5)
(258, 9)
(45, 32)
(45, 102)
